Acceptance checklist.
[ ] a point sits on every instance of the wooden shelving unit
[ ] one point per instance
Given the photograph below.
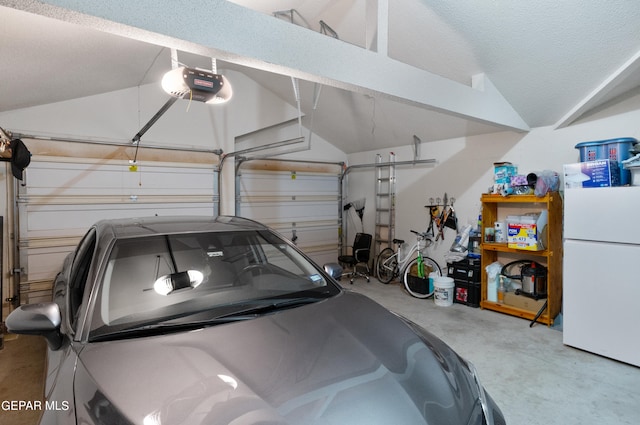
(551, 257)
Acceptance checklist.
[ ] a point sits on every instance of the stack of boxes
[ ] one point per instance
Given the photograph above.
(466, 277)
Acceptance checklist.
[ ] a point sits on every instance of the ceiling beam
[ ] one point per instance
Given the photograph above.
(613, 86)
(382, 27)
(226, 31)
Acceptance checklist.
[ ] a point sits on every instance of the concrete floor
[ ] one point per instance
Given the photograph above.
(531, 374)
(22, 363)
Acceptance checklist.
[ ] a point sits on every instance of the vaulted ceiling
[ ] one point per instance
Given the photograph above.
(388, 70)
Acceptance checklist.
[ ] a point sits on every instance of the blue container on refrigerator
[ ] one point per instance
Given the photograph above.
(617, 150)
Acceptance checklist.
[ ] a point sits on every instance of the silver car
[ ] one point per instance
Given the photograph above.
(190, 320)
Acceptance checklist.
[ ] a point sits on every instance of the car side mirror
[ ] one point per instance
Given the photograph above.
(37, 319)
(334, 270)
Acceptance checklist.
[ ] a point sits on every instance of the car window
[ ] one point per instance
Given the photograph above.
(79, 273)
(156, 278)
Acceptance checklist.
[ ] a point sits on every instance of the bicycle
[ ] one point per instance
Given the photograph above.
(414, 269)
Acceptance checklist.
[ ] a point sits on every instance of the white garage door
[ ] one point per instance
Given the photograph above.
(298, 199)
(62, 196)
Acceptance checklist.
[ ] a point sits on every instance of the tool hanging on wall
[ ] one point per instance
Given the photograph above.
(5, 139)
(445, 217)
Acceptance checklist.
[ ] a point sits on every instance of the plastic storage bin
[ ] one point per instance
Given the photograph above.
(466, 276)
(466, 270)
(617, 150)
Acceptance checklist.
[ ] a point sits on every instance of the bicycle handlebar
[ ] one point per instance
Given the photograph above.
(425, 235)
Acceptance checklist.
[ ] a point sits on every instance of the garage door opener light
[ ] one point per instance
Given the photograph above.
(174, 282)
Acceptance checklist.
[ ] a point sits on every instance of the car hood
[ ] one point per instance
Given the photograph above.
(341, 360)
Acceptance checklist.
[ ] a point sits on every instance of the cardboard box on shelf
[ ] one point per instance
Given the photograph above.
(523, 302)
(503, 171)
(527, 232)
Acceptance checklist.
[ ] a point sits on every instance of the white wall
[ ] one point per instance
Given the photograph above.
(464, 167)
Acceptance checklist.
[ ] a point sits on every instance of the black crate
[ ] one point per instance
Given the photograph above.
(467, 293)
(467, 270)
(418, 284)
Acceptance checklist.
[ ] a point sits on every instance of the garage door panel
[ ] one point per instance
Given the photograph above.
(44, 263)
(75, 219)
(320, 242)
(300, 205)
(323, 257)
(72, 179)
(289, 211)
(62, 197)
(35, 292)
(323, 236)
(279, 183)
(309, 234)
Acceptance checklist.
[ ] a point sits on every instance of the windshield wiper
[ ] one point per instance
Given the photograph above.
(251, 311)
(267, 307)
(160, 328)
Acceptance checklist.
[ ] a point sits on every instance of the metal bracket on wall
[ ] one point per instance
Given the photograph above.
(416, 147)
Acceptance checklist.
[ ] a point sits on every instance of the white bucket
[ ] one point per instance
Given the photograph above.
(443, 291)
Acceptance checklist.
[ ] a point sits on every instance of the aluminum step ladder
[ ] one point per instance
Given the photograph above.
(385, 204)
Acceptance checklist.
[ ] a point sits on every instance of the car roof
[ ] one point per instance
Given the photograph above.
(163, 225)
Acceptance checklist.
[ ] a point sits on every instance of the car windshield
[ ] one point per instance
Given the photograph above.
(195, 279)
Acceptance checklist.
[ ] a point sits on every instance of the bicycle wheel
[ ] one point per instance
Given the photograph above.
(386, 265)
(416, 286)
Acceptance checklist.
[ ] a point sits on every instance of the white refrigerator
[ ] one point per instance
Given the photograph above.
(601, 271)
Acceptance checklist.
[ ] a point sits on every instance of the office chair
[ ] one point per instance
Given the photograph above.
(361, 251)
